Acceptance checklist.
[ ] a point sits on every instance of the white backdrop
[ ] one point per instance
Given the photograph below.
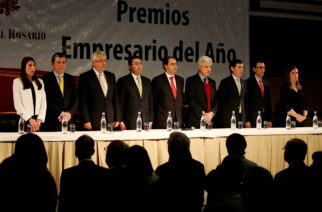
(153, 29)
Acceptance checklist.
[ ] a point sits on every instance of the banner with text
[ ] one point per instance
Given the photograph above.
(152, 29)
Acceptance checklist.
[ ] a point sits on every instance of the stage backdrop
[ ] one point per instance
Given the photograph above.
(152, 29)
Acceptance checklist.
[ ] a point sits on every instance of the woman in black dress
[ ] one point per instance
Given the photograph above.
(293, 98)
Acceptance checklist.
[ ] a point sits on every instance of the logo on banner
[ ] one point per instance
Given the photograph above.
(9, 6)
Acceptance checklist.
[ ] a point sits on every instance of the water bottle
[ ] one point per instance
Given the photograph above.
(21, 126)
(259, 121)
(315, 121)
(169, 122)
(233, 120)
(203, 121)
(64, 124)
(288, 121)
(103, 123)
(139, 122)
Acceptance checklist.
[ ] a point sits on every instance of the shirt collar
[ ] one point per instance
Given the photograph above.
(235, 78)
(88, 159)
(57, 75)
(202, 78)
(97, 73)
(135, 76)
(257, 79)
(168, 75)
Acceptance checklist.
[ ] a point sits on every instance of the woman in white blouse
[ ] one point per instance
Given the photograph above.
(29, 95)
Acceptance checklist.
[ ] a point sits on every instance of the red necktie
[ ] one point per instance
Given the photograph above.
(262, 91)
(173, 87)
(261, 86)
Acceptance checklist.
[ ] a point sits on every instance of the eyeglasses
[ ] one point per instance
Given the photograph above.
(101, 61)
(138, 63)
(172, 64)
(206, 66)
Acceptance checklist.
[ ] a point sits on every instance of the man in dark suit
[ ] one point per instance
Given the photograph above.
(182, 179)
(201, 93)
(61, 94)
(98, 93)
(84, 187)
(231, 94)
(294, 187)
(258, 97)
(167, 94)
(135, 94)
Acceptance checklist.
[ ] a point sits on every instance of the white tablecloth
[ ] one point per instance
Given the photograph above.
(264, 146)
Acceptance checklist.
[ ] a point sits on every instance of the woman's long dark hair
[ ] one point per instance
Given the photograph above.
(25, 81)
(288, 81)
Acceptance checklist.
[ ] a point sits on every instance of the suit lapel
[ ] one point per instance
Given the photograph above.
(55, 84)
(213, 90)
(167, 85)
(258, 88)
(97, 83)
(109, 84)
(201, 87)
(232, 80)
(144, 87)
(133, 85)
(242, 87)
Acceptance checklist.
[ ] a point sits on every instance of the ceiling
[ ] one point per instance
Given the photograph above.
(294, 9)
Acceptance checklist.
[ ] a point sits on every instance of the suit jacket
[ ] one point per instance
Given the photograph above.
(164, 100)
(131, 102)
(93, 102)
(229, 100)
(22, 99)
(84, 188)
(254, 101)
(56, 102)
(18, 179)
(293, 188)
(197, 99)
(182, 184)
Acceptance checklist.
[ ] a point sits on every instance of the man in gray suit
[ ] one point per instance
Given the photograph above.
(135, 94)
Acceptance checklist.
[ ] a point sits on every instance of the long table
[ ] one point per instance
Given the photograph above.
(264, 146)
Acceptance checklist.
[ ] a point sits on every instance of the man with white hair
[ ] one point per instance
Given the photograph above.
(98, 93)
(201, 93)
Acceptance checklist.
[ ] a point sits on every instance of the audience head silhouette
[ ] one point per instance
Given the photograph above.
(178, 146)
(30, 150)
(317, 159)
(116, 154)
(295, 150)
(139, 161)
(84, 147)
(178, 142)
(236, 144)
